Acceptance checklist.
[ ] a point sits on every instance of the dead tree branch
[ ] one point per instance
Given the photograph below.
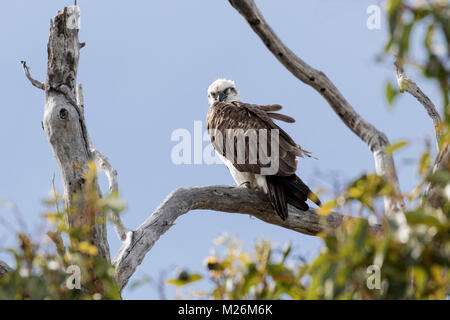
(434, 192)
(106, 166)
(217, 198)
(375, 139)
(33, 81)
(408, 85)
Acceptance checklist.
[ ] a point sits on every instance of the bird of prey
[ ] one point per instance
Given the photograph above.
(227, 115)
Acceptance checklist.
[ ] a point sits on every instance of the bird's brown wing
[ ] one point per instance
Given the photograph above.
(237, 115)
(283, 187)
(270, 108)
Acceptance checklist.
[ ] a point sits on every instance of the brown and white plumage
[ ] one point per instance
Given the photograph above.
(227, 112)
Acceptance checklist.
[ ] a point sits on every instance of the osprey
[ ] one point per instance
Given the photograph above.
(227, 115)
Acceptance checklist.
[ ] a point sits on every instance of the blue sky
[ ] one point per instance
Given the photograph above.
(145, 71)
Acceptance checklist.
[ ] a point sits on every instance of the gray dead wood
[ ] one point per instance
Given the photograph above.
(218, 198)
(64, 123)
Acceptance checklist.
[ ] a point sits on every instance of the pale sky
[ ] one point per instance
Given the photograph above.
(145, 71)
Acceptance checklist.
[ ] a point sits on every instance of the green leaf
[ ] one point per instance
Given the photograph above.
(115, 204)
(441, 178)
(421, 217)
(280, 273)
(424, 163)
(391, 93)
(360, 234)
(185, 278)
(286, 251)
(396, 146)
(325, 208)
(404, 40)
(394, 13)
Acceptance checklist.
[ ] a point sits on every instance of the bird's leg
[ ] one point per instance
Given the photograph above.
(245, 184)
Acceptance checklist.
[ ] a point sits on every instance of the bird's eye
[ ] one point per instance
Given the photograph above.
(213, 94)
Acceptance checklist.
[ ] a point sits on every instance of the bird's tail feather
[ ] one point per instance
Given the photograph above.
(292, 190)
(278, 198)
(298, 187)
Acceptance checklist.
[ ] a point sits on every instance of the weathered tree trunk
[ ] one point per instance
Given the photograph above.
(64, 125)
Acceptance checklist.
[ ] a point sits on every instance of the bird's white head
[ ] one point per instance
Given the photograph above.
(222, 90)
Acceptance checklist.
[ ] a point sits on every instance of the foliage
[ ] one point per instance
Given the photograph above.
(41, 272)
(412, 256)
(434, 17)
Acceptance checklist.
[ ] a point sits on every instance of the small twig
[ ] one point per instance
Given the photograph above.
(56, 236)
(408, 85)
(59, 243)
(34, 82)
(55, 194)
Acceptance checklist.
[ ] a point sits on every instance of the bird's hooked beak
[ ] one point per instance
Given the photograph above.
(221, 96)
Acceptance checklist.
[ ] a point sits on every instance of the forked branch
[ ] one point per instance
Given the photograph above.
(375, 139)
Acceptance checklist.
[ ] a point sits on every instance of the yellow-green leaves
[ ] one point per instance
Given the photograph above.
(367, 188)
(424, 163)
(184, 278)
(326, 208)
(87, 248)
(431, 16)
(391, 93)
(395, 147)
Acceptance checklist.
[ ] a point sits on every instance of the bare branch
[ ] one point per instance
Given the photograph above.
(375, 139)
(217, 198)
(33, 81)
(434, 193)
(106, 166)
(408, 85)
(59, 243)
(4, 269)
(111, 174)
